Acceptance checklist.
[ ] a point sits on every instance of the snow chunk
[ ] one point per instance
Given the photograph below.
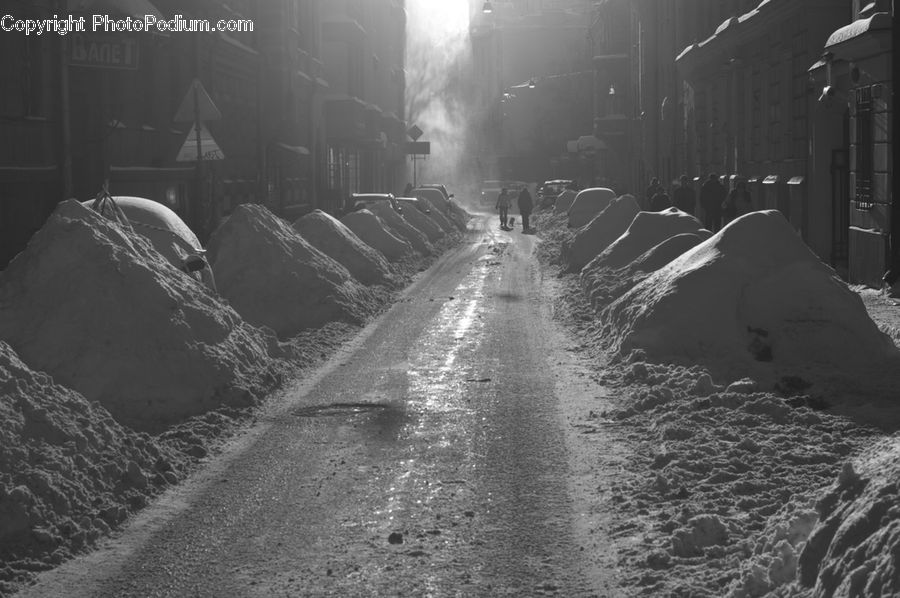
(596, 235)
(750, 300)
(372, 231)
(104, 313)
(273, 277)
(587, 204)
(334, 239)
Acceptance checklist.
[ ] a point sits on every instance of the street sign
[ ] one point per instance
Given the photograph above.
(414, 133)
(196, 105)
(209, 149)
(107, 50)
(422, 148)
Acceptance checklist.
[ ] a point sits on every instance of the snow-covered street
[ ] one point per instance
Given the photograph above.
(711, 420)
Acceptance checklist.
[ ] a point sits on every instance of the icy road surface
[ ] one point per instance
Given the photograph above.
(439, 454)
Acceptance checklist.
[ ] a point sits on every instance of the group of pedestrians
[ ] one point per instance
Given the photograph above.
(523, 202)
(719, 205)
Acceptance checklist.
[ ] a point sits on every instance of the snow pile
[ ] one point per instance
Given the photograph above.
(371, 231)
(724, 489)
(587, 204)
(422, 221)
(751, 300)
(395, 223)
(564, 201)
(68, 471)
(96, 307)
(334, 239)
(602, 230)
(846, 544)
(275, 278)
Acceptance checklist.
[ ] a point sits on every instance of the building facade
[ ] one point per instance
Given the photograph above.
(297, 111)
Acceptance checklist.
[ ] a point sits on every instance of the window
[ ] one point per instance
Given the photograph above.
(865, 149)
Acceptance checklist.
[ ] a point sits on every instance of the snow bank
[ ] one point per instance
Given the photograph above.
(68, 471)
(587, 204)
(334, 239)
(401, 228)
(602, 230)
(105, 314)
(372, 231)
(275, 278)
(750, 300)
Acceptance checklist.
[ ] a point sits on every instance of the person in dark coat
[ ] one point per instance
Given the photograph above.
(652, 190)
(661, 201)
(525, 207)
(712, 194)
(684, 197)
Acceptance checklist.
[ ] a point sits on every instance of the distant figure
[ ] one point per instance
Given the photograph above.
(712, 194)
(652, 190)
(407, 191)
(684, 197)
(738, 202)
(503, 202)
(660, 201)
(525, 207)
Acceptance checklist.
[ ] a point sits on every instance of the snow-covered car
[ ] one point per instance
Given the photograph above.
(490, 190)
(550, 190)
(442, 188)
(361, 201)
(165, 230)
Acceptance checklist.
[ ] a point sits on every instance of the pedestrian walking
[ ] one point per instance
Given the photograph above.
(684, 197)
(525, 207)
(738, 202)
(712, 194)
(503, 202)
(652, 190)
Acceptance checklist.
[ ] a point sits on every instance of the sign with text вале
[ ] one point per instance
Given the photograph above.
(104, 50)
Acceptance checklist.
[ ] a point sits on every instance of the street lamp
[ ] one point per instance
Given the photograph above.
(487, 8)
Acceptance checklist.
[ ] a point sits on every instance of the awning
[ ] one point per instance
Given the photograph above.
(130, 8)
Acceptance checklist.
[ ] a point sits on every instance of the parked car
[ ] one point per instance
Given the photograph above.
(414, 202)
(490, 189)
(550, 190)
(443, 189)
(165, 230)
(360, 201)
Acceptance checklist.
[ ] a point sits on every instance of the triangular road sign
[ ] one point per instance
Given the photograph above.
(209, 149)
(203, 104)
